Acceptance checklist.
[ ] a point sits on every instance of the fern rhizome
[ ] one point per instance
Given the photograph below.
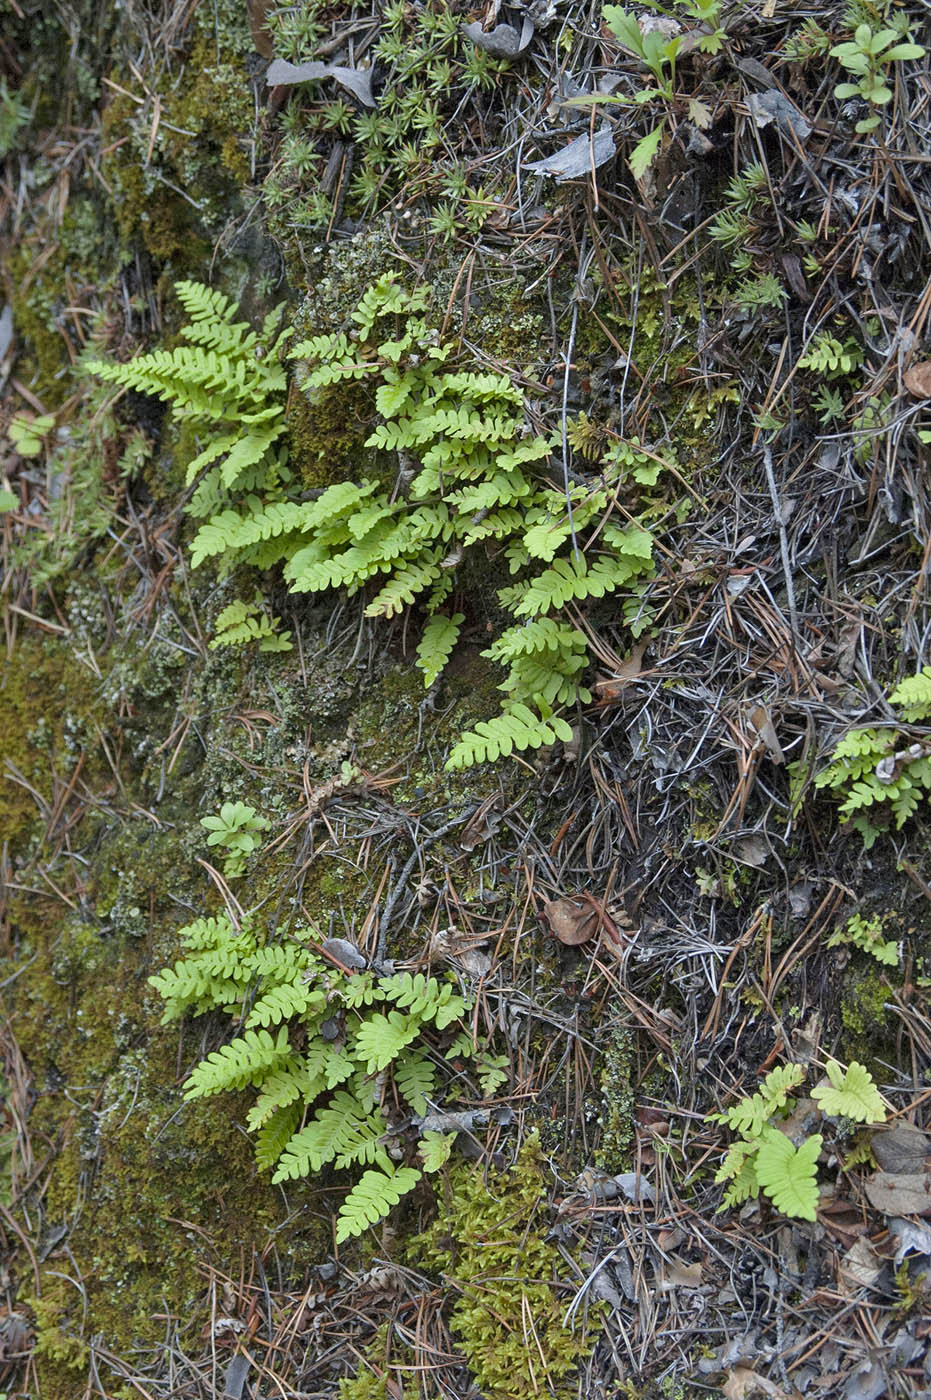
(344, 1060)
(456, 476)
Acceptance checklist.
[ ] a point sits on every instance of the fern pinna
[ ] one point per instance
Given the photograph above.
(878, 772)
(455, 475)
(333, 1055)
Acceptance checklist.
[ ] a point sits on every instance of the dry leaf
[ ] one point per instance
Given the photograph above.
(917, 380)
(699, 113)
(763, 724)
(483, 823)
(860, 1267)
(742, 1384)
(901, 1148)
(571, 921)
(899, 1193)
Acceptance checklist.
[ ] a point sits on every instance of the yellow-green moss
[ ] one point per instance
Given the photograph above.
(489, 1242)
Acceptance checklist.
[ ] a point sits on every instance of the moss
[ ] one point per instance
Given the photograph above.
(508, 1318)
(46, 693)
(866, 991)
(185, 187)
(617, 1097)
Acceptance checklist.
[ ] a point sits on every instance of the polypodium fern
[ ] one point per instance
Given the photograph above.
(517, 728)
(473, 478)
(320, 1101)
(370, 1201)
(765, 1158)
(879, 775)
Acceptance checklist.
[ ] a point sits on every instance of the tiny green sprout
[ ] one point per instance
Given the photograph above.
(26, 433)
(867, 57)
(235, 829)
(8, 499)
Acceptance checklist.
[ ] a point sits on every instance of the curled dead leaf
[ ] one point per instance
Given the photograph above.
(572, 921)
(917, 380)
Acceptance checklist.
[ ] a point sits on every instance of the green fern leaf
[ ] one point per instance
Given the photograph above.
(425, 997)
(750, 1114)
(380, 1039)
(434, 1149)
(851, 1094)
(518, 729)
(295, 1081)
(246, 1060)
(274, 1134)
(913, 696)
(415, 1079)
(788, 1175)
(281, 1003)
(439, 637)
(372, 1198)
(403, 586)
(323, 1139)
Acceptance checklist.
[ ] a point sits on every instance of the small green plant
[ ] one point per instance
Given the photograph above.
(333, 1054)
(765, 1159)
(867, 935)
(827, 355)
(242, 622)
(868, 57)
(27, 432)
(235, 829)
(456, 478)
(14, 115)
(877, 772)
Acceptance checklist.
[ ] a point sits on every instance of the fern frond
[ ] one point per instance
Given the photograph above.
(294, 1082)
(323, 1139)
(380, 1038)
(851, 1094)
(913, 696)
(573, 579)
(274, 1134)
(404, 586)
(246, 1060)
(372, 1199)
(282, 1002)
(519, 729)
(788, 1174)
(435, 647)
(415, 1080)
(425, 997)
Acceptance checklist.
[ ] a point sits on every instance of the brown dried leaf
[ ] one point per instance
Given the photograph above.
(742, 1384)
(899, 1193)
(860, 1267)
(571, 921)
(917, 380)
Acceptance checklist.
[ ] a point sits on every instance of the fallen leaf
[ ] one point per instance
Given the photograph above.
(901, 1148)
(678, 1274)
(912, 1236)
(342, 951)
(571, 921)
(763, 724)
(579, 158)
(868, 1382)
(358, 81)
(860, 1267)
(917, 380)
(483, 823)
(699, 113)
(742, 1383)
(773, 106)
(503, 41)
(899, 1193)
